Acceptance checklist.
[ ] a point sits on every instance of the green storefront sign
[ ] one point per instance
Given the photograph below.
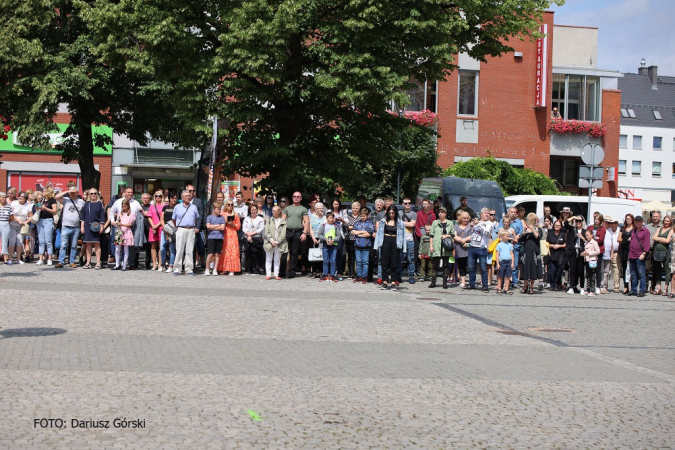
(13, 142)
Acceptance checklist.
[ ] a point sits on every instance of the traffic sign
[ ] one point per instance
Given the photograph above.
(592, 154)
(585, 172)
(596, 184)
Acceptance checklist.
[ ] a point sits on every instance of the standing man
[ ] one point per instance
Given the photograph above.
(409, 218)
(297, 230)
(241, 209)
(199, 239)
(115, 211)
(610, 259)
(481, 232)
(517, 226)
(637, 255)
(185, 216)
(70, 228)
(463, 206)
(653, 229)
(425, 217)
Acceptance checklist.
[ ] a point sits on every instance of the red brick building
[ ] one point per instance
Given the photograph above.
(491, 108)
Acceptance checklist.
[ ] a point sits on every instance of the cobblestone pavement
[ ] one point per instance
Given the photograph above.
(239, 362)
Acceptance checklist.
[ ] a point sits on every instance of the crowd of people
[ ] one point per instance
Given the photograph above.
(282, 238)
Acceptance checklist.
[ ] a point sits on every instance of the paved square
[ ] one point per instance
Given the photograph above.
(239, 362)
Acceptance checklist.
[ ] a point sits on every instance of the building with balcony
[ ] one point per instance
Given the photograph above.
(503, 107)
(647, 139)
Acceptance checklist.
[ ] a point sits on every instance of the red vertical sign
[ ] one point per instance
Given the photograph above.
(542, 67)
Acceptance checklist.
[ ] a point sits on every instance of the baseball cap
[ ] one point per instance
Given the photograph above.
(639, 218)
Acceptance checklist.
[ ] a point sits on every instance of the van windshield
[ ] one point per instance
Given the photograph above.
(451, 202)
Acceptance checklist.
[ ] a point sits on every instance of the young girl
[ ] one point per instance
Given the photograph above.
(590, 254)
(126, 237)
(504, 256)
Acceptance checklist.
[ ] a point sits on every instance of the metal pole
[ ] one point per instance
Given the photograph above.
(590, 184)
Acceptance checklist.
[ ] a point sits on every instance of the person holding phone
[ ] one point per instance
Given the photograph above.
(230, 260)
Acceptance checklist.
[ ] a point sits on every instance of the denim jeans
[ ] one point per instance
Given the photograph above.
(69, 235)
(45, 236)
(329, 258)
(4, 233)
(362, 256)
(477, 254)
(516, 259)
(638, 274)
(166, 246)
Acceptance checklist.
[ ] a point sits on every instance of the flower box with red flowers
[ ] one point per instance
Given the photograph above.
(593, 129)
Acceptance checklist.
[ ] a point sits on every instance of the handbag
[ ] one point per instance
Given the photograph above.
(448, 244)
(593, 264)
(35, 218)
(25, 230)
(119, 236)
(95, 227)
(315, 254)
(544, 249)
(659, 255)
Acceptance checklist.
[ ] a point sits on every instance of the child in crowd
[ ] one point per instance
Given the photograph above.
(363, 231)
(330, 237)
(215, 225)
(503, 254)
(124, 236)
(590, 254)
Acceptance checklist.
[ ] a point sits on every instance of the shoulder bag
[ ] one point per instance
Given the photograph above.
(170, 229)
(35, 218)
(95, 227)
(316, 254)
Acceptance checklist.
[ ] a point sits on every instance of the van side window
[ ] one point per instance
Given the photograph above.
(530, 207)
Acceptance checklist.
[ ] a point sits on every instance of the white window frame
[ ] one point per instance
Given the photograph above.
(654, 147)
(625, 136)
(632, 169)
(477, 87)
(655, 174)
(624, 166)
(583, 97)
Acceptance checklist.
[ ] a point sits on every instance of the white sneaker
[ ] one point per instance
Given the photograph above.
(597, 291)
(231, 274)
(583, 292)
(214, 273)
(571, 291)
(40, 263)
(22, 261)
(207, 272)
(49, 263)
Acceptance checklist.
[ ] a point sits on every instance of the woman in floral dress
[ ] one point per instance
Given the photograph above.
(230, 260)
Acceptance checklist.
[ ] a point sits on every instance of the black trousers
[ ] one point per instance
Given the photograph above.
(555, 273)
(389, 256)
(294, 248)
(105, 248)
(577, 268)
(440, 266)
(657, 272)
(351, 257)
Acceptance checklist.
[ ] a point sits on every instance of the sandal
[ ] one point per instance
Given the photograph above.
(499, 292)
(97, 266)
(87, 266)
(508, 292)
(671, 295)
(530, 291)
(665, 294)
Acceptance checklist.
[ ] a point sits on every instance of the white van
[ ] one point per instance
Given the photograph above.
(615, 207)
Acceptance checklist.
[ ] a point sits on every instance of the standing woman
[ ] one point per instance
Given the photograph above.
(47, 208)
(389, 239)
(230, 260)
(29, 240)
(462, 238)
(624, 244)
(155, 213)
(531, 247)
(315, 221)
(441, 229)
(548, 226)
(574, 246)
(5, 219)
(339, 221)
(253, 228)
(268, 207)
(21, 211)
(348, 221)
(91, 227)
(105, 232)
(556, 243)
(275, 243)
(168, 244)
(662, 240)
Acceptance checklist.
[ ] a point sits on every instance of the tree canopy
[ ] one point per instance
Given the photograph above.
(512, 180)
(304, 83)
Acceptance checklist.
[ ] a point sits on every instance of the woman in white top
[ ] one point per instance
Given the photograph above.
(275, 243)
(22, 211)
(253, 228)
(315, 221)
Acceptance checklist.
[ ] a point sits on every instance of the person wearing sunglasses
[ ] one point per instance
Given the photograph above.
(91, 227)
(154, 215)
(574, 247)
(230, 260)
(297, 230)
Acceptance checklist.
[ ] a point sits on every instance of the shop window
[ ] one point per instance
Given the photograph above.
(656, 169)
(565, 172)
(622, 167)
(468, 93)
(623, 141)
(658, 141)
(577, 96)
(637, 168)
(637, 142)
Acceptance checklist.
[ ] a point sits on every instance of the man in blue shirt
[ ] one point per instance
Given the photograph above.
(517, 226)
(186, 217)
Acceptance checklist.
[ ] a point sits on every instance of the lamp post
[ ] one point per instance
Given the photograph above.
(401, 112)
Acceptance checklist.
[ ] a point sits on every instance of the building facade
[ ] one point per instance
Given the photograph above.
(647, 139)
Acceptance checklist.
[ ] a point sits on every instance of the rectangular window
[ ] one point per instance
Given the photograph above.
(637, 168)
(658, 141)
(674, 171)
(622, 167)
(656, 169)
(623, 141)
(577, 97)
(565, 172)
(468, 93)
(637, 142)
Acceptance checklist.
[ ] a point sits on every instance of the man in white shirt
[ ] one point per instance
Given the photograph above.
(70, 228)
(116, 210)
(610, 259)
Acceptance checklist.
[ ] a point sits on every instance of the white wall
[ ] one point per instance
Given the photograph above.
(648, 186)
(575, 46)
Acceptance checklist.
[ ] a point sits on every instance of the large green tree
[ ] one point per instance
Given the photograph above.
(305, 83)
(47, 65)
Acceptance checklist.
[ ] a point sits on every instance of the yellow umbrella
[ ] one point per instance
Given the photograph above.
(656, 205)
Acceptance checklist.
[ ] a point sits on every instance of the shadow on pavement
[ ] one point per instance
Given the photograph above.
(18, 274)
(30, 332)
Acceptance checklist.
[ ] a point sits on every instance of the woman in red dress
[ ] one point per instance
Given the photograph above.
(229, 261)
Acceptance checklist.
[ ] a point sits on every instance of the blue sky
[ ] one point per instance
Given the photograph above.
(628, 30)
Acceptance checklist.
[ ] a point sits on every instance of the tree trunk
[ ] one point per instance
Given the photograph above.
(90, 176)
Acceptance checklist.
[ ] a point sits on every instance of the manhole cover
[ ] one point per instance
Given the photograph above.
(427, 298)
(512, 333)
(550, 330)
